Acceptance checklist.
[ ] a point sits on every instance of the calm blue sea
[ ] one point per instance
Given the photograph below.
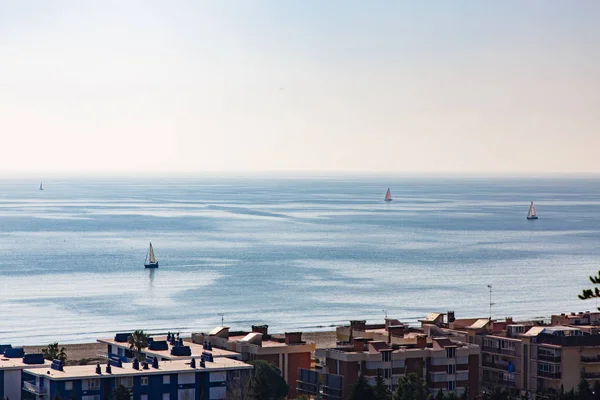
(296, 254)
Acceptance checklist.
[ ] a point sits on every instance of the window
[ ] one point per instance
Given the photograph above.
(451, 369)
(236, 375)
(68, 385)
(387, 373)
(386, 356)
(450, 352)
(144, 381)
(126, 381)
(451, 385)
(144, 397)
(166, 396)
(166, 379)
(92, 384)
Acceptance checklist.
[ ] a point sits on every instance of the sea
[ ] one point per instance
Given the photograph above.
(299, 254)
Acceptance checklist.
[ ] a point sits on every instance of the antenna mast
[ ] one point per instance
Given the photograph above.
(222, 319)
(491, 304)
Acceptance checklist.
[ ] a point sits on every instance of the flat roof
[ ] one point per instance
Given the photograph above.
(174, 366)
(197, 350)
(17, 363)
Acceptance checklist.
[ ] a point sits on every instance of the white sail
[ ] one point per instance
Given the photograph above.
(151, 258)
(531, 212)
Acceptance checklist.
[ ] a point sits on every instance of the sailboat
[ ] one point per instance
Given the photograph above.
(150, 260)
(388, 195)
(41, 186)
(531, 213)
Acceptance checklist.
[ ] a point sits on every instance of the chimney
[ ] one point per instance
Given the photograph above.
(509, 320)
(293, 338)
(421, 341)
(260, 329)
(358, 325)
(451, 317)
(395, 331)
(359, 343)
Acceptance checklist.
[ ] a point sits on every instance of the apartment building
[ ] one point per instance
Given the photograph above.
(204, 378)
(395, 350)
(288, 352)
(534, 356)
(12, 363)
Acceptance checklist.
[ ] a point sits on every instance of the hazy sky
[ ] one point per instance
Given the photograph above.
(310, 85)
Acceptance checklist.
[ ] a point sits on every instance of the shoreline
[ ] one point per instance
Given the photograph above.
(88, 353)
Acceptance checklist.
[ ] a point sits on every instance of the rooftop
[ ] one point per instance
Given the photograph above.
(197, 350)
(178, 366)
(17, 363)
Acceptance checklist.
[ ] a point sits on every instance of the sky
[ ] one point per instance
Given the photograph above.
(188, 86)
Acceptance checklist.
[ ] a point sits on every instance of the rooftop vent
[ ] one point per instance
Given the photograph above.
(158, 345)
(180, 351)
(155, 363)
(135, 364)
(122, 337)
(4, 347)
(57, 365)
(193, 363)
(108, 369)
(145, 365)
(33, 359)
(14, 352)
(202, 364)
(98, 369)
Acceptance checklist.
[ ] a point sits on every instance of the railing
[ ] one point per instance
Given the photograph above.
(546, 374)
(545, 357)
(32, 388)
(595, 359)
(497, 350)
(591, 374)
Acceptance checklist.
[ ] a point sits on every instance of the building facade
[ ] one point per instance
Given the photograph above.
(164, 380)
(288, 353)
(444, 364)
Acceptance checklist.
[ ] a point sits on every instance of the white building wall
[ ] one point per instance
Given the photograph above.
(12, 384)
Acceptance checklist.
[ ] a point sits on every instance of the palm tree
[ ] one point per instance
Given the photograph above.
(137, 342)
(52, 352)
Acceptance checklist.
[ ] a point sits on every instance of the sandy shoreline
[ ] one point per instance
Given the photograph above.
(89, 353)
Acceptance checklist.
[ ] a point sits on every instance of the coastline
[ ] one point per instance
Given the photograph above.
(89, 353)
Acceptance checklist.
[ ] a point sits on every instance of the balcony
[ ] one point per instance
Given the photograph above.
(595, 359)
(591, 375)
(497, 350)
(549, 358)
(31, 387)
(549, 375)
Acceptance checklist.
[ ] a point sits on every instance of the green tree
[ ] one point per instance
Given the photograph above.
(584, 391)
(439, 395)
(361, 390)
(266, 382)
(381, 391)
(589, 293)
(53, 352)
(596, 390)
(137, 342)
(121, 393)
(411, 387)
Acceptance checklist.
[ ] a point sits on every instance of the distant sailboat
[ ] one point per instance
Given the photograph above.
(388, 195)
(531, 213)
(41, 186)
(150, 259)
